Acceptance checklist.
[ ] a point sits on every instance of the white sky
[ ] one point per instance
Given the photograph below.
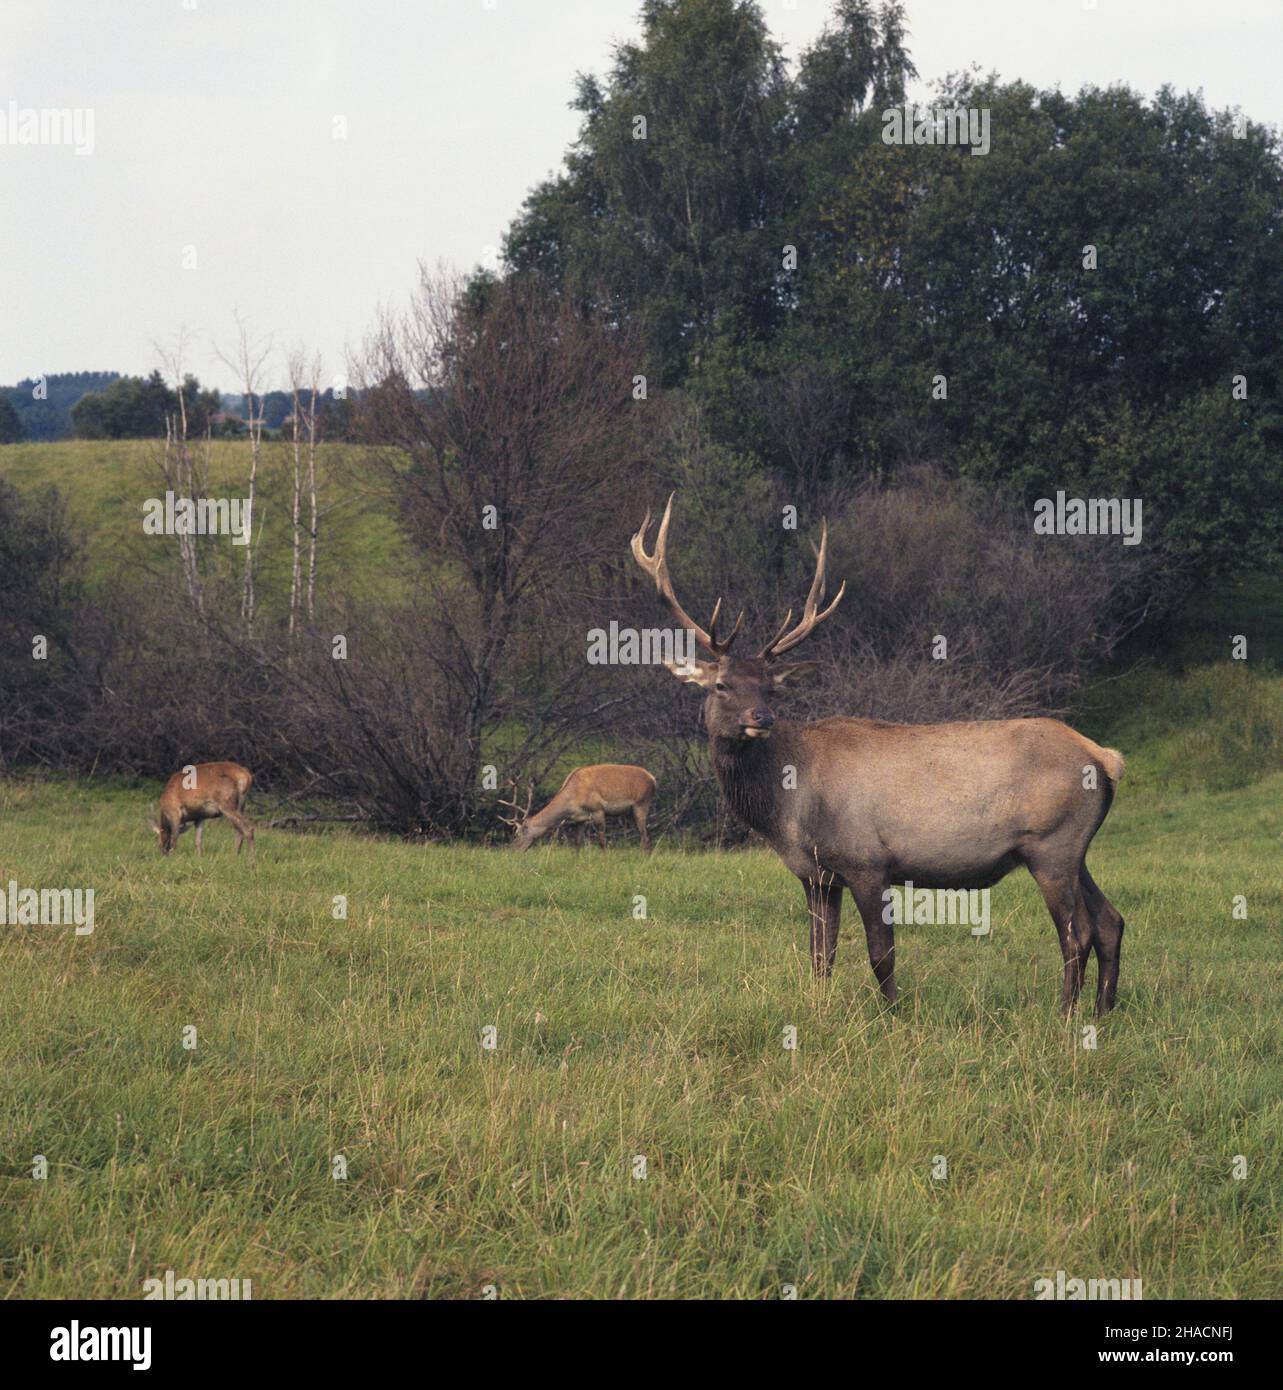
(213, 120)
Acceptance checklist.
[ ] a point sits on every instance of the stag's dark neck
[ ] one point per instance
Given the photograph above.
(751, 775)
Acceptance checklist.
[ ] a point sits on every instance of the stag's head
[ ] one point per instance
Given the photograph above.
(167, 835)
(739, 691)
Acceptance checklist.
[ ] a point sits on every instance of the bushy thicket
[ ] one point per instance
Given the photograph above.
(136, 682)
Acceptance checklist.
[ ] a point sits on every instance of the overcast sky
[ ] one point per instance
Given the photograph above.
(213, 137)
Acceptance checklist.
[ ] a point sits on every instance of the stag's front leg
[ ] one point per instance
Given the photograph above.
(824, 903)
(879, 931)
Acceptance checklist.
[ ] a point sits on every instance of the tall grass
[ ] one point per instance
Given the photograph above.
(619, 1037)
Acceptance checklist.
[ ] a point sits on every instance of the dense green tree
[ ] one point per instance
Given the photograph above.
(980, 270)
(137, 407)
(10, 422)
(676, 203)
(683, 190)
(808, 283)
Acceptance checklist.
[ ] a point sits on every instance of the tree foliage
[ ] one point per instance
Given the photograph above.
(135, 407)
(809, 283)
(10, 422)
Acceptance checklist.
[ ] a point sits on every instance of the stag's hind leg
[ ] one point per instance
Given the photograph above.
(244, 831)
(1063, 894)
(1107, 938)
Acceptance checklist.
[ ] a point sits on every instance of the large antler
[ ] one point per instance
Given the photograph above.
(785, 639)
(522, 813)
(656, 566)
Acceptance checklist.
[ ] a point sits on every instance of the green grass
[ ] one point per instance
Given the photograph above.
(105, 483)
(1210, 728)
(616, 1038)
(619, 1037)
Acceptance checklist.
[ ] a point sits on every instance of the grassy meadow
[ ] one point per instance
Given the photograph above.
(621, 1038)
(618, 1038)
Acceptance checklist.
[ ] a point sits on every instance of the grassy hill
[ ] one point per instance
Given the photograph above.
(1208, 728)
(105, 484)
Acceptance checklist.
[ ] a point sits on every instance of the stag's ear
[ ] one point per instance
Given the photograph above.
(155, 827)
(780, 674)
(701, 673)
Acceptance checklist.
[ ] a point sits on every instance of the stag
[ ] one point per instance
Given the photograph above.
(588, 795)
(204, 792)
(872, 804)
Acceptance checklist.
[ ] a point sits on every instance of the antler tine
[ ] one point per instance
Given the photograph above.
(721, 645)
(516, 792)
(656, 565)
(784, 640)
(783, 628)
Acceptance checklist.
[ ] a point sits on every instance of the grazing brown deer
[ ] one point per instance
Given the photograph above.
(954, 806)
(200, 793)
(588, 794)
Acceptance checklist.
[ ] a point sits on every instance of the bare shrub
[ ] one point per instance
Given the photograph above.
(1023, 617)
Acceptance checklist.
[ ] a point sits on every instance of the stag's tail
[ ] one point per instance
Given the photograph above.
(1112, 761)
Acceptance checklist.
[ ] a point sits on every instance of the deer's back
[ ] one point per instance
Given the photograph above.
(216, 785)
(609, 786)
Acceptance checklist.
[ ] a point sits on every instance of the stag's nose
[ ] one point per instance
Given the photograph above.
(763, 718)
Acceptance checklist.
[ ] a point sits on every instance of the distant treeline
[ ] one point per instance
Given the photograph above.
(107, 405)
(42, 409)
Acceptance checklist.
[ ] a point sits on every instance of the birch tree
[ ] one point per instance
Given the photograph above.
(295, 372)
(184, 477)
(248, 359)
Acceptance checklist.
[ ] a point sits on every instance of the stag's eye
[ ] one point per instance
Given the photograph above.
(721, 685)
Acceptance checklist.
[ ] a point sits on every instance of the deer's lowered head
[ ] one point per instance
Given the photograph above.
(738, 690)
(168, 834)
